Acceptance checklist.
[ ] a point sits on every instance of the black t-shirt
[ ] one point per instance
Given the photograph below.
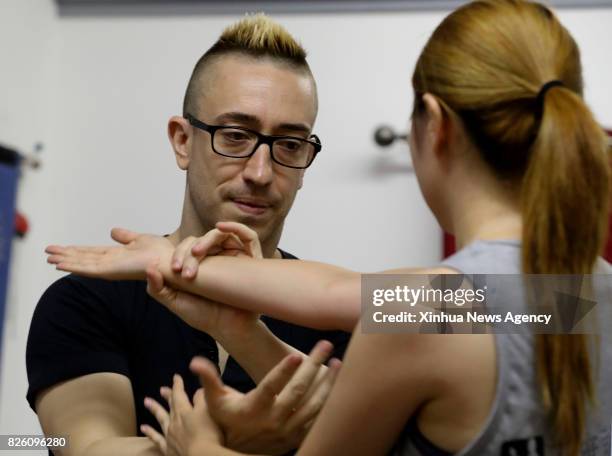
(83, 326)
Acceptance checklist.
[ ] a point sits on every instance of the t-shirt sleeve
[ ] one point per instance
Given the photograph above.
(75, 331)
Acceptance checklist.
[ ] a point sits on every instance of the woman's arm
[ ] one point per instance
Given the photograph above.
(306, 293)
(302, 292)
(385, 379)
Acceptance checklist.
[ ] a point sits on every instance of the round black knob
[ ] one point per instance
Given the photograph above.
(384, 136)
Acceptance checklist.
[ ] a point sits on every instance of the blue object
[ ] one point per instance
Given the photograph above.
(9, 172)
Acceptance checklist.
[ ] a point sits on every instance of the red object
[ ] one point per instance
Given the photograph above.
(608, 250)
(449, 245)
(21, 225)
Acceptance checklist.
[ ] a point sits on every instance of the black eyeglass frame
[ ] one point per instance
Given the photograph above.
(261, 139)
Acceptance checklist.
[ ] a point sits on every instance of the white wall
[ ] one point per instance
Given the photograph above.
(28, 42)
(121, 79)
(103, 89)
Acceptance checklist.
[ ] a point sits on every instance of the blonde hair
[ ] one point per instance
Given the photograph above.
(259, 35)
(255, 36)
(486, 62)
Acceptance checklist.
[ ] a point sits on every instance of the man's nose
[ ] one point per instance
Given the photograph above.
(258, 168)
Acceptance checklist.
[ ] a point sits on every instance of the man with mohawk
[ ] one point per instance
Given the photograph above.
(96, 348)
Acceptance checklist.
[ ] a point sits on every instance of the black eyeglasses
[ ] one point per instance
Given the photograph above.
(239, 142)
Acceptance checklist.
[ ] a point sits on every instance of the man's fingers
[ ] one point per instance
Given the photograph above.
(274, 382)
(180, 400)
(158, 290)
(209, 378)
(301, 382)
(312, 404)
(324, 383)
(166, 393)
(159, 412)
(155, 437)
(198, 398)
(247, 236)
(123, 236)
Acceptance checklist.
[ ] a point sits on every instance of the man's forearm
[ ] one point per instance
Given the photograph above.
(257, 351)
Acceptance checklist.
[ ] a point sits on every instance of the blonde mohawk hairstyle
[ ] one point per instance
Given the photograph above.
(260, 35)
(256, 36)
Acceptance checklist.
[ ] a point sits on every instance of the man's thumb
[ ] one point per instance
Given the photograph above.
(209, 377)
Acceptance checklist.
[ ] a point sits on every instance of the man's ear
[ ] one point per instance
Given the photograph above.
(180, 136)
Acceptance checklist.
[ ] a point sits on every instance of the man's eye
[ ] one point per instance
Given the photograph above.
(235, 135)
(290, 145)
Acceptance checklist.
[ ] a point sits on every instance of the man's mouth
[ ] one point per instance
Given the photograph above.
(251, 206)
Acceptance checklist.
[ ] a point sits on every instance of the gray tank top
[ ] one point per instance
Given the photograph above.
(516, 425)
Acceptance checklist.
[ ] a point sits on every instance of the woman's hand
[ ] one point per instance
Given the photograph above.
(127, 261)
(221, 321)
(186, 426)
(228, 238)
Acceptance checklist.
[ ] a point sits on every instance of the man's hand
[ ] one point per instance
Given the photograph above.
(220, 321)
(271, 419)
(127, 261)
(198, 312)
(185, 425)
(274, 417)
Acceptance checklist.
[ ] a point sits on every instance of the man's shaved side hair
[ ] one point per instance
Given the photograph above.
(255, 36)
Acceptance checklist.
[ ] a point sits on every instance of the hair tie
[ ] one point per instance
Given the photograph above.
(545, 88)
(539, 101)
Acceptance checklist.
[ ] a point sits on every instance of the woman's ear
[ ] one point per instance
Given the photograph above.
(179, 134)
(437, 123)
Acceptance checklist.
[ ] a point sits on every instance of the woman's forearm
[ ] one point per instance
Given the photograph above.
(307, 293)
